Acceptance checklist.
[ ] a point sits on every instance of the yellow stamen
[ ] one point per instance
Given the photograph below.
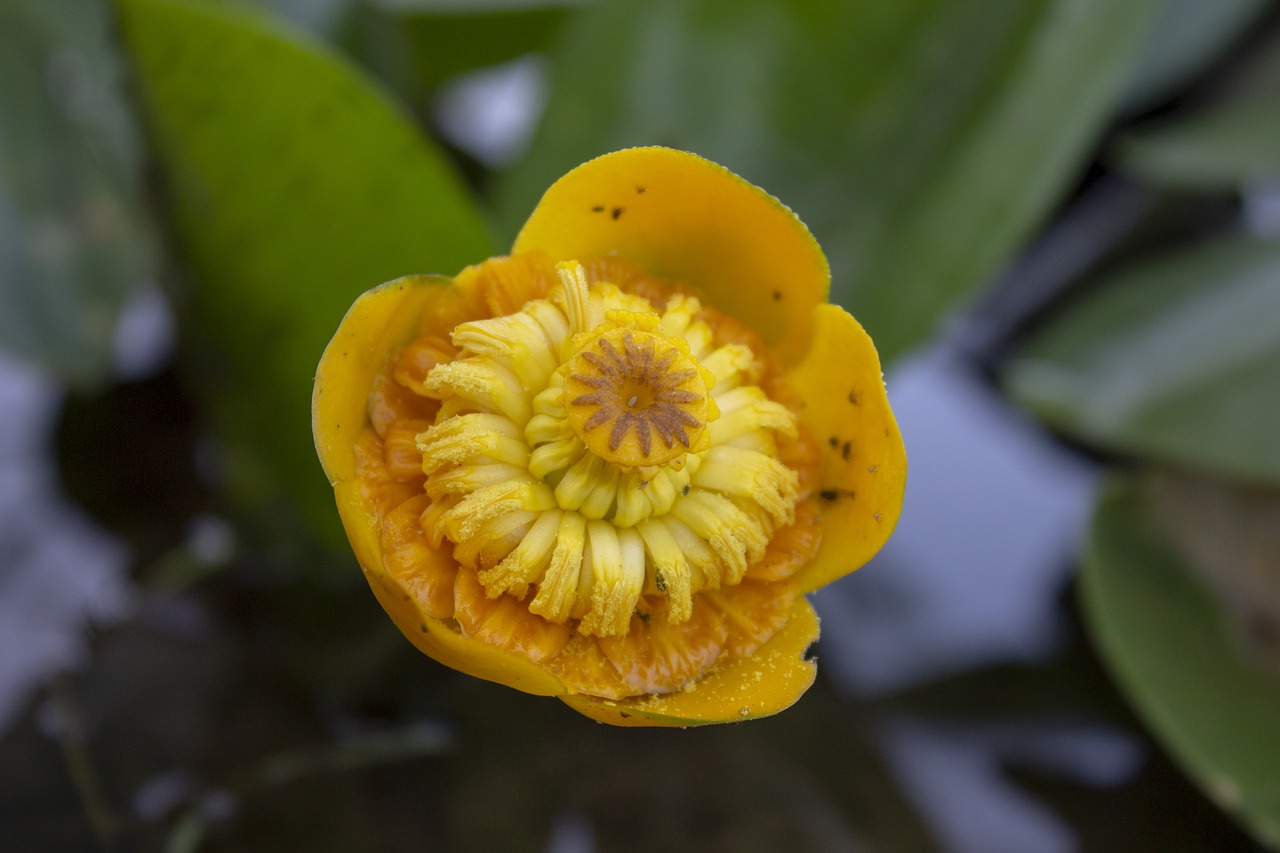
(525, 564)
(672, 576)
(576, 296)
(736, 537)
(612, 578)
(558, 588)
(750, 475)
(486, 383)
(457, 440)
(593, 459)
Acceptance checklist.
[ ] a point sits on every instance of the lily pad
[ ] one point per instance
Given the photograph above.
(1181, 662)
(296, 186)
(1177, 358)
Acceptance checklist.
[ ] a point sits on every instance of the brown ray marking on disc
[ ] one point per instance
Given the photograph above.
(627, 368)
(600, 417)
(643, 434)
(620, 427)
(676, 396)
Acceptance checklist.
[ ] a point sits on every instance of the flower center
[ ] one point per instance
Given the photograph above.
(636, 398)
(591, 450)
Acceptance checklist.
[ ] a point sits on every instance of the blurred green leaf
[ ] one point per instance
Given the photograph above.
(1187, 36)
(472, 6)
(321, 19)
(445, 45)
(1231, 141)
(1170, 649)
(1177, 358)
(296, 186)
(416, 47)
(921, 141)
(73, 240)
(1230, 536)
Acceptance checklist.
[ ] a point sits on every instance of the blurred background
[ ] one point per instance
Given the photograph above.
(1059, 219)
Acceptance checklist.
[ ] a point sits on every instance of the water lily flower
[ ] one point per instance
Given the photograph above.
(609, 466)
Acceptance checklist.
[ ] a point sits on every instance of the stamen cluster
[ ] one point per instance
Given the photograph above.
(590, 450)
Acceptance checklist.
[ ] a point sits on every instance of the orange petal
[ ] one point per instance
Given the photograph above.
(791, 547)
(425, 572)
(684, 218)
(658, 656)
(389, 401)
(864, 466)
(400, 454)
(505, 284)
(769, 681)
(583, 668)
(418, 358)
(377, 488)
(505, 622)
(752, 612)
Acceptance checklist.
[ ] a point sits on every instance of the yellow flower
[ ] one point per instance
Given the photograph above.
(608, 467)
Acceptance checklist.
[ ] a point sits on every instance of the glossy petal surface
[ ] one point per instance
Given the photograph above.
(864, 469)
(685, 218)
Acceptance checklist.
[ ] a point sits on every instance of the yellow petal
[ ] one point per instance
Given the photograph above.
(864, 466)
(769, 681)
(681, 217)
(380, 322)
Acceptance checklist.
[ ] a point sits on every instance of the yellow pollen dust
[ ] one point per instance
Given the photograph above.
(635, 397)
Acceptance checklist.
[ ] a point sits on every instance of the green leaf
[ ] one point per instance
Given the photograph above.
(1181, 663)
(73, 238)
(1187, 36)
(1228, 143)
(468, 7)
(1177, 358)
(295, 186)
(416, 47)
(921, 141)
